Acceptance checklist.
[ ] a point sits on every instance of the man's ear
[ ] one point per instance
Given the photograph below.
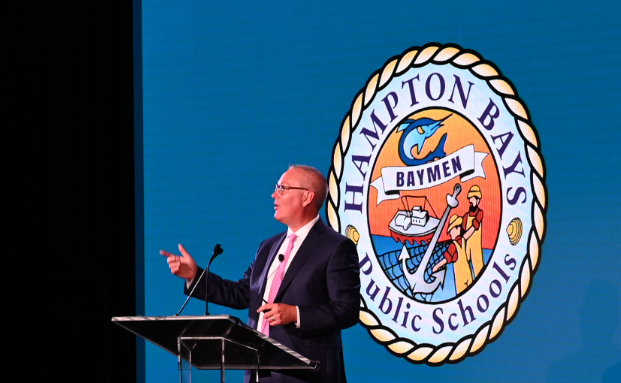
(309, 196)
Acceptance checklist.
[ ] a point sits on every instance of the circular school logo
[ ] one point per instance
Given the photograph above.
(438, 178)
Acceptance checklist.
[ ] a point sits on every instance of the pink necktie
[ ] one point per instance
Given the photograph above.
(280, 274)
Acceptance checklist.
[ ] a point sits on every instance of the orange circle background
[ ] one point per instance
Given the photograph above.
(461, 133)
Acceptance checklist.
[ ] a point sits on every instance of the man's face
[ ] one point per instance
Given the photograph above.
(474, 201)
(288, 206)
(454, 232)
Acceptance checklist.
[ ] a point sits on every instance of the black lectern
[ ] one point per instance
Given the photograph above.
(215, 342)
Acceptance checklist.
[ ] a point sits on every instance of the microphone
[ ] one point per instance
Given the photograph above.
(216, 251)
(280, 259)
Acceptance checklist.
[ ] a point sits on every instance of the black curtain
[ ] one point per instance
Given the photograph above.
(71, 171)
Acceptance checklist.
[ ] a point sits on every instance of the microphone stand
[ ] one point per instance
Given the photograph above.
(216, 251)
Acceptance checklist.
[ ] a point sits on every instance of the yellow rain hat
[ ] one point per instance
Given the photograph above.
(454, 221)
(475, 191)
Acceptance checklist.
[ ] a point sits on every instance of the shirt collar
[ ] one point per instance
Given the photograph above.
(304, 230)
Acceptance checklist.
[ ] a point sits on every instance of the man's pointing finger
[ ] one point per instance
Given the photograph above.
(166, 253)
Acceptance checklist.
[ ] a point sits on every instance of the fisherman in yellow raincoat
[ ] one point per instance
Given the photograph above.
(456, 254)
(472, 225)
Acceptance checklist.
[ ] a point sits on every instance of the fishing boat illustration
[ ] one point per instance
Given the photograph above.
(416, 222)
(410, 268)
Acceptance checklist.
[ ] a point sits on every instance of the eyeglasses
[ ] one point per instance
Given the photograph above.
(281, 188)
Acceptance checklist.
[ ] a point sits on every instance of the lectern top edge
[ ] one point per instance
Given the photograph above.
(206, 338)
(174, 317)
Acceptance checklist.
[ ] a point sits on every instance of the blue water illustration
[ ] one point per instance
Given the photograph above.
(389, 250)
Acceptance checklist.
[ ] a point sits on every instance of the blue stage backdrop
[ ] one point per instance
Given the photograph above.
(234, 92)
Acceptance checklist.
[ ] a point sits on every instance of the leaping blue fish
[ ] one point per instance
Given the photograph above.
(416, 133)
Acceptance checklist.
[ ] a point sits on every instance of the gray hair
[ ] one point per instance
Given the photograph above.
(317, 182)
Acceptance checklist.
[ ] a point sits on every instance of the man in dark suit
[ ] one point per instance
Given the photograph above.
(302, 299)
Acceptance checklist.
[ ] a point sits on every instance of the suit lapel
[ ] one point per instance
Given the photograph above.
(268, 263)
(311, 241)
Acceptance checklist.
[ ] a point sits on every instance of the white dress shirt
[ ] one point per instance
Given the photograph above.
(301, 236)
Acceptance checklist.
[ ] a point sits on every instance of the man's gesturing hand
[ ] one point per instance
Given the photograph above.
(278, 313)
(182, 265)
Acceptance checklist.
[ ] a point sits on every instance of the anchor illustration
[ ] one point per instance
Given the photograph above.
(417, 281)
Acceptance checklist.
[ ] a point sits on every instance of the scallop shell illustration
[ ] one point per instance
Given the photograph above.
(352, 233)
(514, 231)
